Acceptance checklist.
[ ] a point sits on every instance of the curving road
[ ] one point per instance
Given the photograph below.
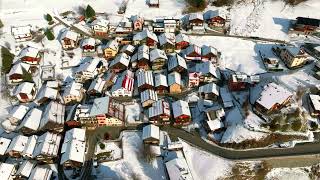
(251, 154)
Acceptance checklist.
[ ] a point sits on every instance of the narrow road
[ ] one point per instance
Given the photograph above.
(251, 154)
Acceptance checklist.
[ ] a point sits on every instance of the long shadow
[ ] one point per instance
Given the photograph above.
(284, 23)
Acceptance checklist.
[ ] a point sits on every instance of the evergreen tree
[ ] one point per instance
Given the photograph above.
(27, 76)
(48, 18)
(49, 34)
(89, 13)
(7, 59)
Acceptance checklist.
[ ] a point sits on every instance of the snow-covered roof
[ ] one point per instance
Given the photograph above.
(89, 65)
(52, 84)
(145, 34)
(97, 85)
(176, 60)
(180, 108)
(151, 131)
(100, 106)
(112, 44)
(294, 51)
(41, 173)
(69, 35)
(145, 77)
(182, 38)
(158, 108)
(208, 68)
(194, 16)
(18, 143)
(20, 30)
(18, 112)
(25, 168)
(73, 89)
(148, 94)
(16, 69)
(25, 87)
(124, 81)
(211, 14)
(206, 50)
(174, 78)
(165, 38)
(192, 48)
(6, 170)
(88, 42)
(226, 97)
(160, 80)
(47, 92)
(209, 88)
(154, 2)
(142, 53)
(315, 100)
(215, 124)
(28, 52)
(178, 169)
(54, 112)
(4, 144)
(110, 76)
(31, 144)
(157, 54)
(32, 119)
(121, 58)
(73, 147)
(273, 94)
(47, 144)
(128, 48)
(100, 22)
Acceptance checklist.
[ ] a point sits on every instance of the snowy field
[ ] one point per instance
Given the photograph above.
(269, 19)
(287, 173)
(237, 54)
(133, 162)
(205, 166)
(171, 8)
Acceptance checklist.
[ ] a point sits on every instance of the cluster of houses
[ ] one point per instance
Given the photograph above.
(43, 149)
(148, 61)
(171, 153)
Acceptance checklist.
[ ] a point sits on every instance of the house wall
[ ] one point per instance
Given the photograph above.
(292, 61)
(121, 93)
(110, 53)
(71, 98)
(68, 44)
(22, 97)
(175, 88)
(31, 60)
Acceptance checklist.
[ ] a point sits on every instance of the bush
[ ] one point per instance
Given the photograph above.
(314, 126)
(220, 3)
(1, 24)
(49, 35)
(48, 17)
(195, 6)
(102, 146)
(7, 59)
(294, 2)
(296, 125)
(90, 13)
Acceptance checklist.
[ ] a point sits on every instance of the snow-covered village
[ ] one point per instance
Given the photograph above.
(160, 89)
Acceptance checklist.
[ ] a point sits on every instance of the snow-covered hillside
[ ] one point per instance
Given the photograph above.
(267, 18)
